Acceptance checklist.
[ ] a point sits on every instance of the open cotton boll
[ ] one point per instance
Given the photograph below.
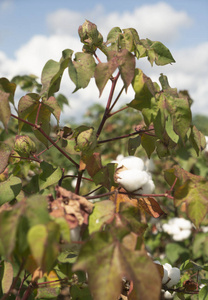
(174, 274)
(132, 180)
(165, 276)
(167, 267)
(182, 235)
(147, 188)
(131, 163)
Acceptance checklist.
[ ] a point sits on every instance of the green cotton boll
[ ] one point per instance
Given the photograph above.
(24, 145)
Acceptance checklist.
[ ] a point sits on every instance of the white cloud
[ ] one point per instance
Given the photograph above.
(158, 21)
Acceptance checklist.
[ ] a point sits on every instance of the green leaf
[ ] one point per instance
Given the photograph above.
(49, 175)
(36, 210)
(148, 143)
(162, 54)
(79, 293)
(7, 277)
(53, 106)
(37, 239)
(7, 90)
(174, 251)
(144, 91)
(44, 115)
(180, 113)
(197, 139)
(9, 189)
(203, 294)
(103, 72)
(26, 106)
(133, 144)
(9, 221)
(52, 73)
(4, 156)
(102, 212)
(43, 242)
(156, 52)
(126, 62)
(113, 35)
(81, 70)
(105, 176)
(191, 189)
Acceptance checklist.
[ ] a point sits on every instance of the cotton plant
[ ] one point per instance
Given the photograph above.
(132, 175)
(178, 228)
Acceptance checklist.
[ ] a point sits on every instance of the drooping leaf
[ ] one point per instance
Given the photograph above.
(9, 189)
(49, 175)
(9, 223)
(43, 242)
(133, 144)
(81, 69)
(26, 106)
(7, 277)
(103, 72)
(144, 91)
(197, 139)
(151, 206)
(52, 73)
(93, 163)
(4, 156)
(116, 261)
(105, 176)
(180, 114)
(155, 51)
(148, 143)
(126, 62)
(7, 90)
(53, 106)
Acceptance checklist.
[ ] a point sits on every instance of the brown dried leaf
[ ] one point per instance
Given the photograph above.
(151, 206)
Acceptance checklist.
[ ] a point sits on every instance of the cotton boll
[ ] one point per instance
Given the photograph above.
(132, 180)
(131, 163)
(148, 187)
(182, 235)
(167, 267)
(165, 276)
(182, 223)
(168, 295)
(174, 274)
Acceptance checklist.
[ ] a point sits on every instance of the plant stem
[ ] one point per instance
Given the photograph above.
(107, 109)
(114, 103)
(124, 136)
(79, 179)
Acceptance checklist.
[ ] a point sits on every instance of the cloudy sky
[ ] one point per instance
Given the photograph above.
(32, 32)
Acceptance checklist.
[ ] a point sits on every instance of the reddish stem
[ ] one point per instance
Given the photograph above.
(107, 109)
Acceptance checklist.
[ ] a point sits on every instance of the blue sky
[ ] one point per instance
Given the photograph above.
(31, 32)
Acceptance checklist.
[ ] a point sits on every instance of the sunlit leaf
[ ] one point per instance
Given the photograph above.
(102, 212)
(9, 189)
(7, 277)
(81, 69)
(49, 175)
